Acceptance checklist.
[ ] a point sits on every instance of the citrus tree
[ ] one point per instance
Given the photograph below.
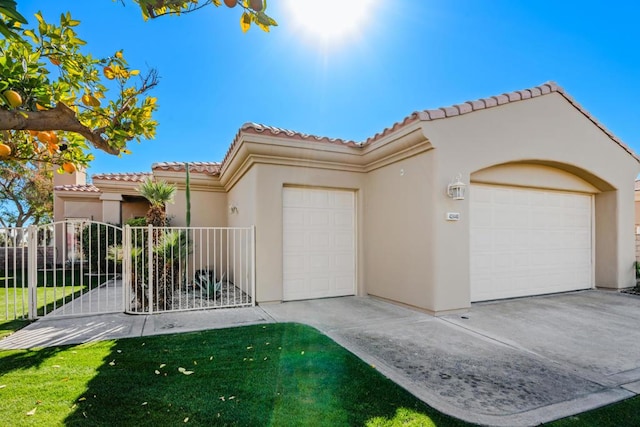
(55, 99)
(254, 11)
(56, 102)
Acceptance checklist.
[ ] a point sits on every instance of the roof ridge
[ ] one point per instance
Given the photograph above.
(121, 173)
(439, 113)
(77, 187)
(489, 102)
(209, 168)
(424, 115)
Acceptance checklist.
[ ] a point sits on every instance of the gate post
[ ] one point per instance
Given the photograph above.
(150, 266)
(32, 272)
(126, 269)
(253, 265)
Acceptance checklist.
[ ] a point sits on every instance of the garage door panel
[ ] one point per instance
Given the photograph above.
(294, 263)
(527, 242)
(326, 250)
(319, 241)
(343, 199)
(294, 217)
(343, 218)
(318, 263)
(318, 218)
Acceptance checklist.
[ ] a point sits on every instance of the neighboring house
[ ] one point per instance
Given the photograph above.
(114, 198)
(548, 204)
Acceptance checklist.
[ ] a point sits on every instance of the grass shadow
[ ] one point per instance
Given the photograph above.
(10, 326)
(23, 360)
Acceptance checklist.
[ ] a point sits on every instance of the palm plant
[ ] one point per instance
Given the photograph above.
(158, 193)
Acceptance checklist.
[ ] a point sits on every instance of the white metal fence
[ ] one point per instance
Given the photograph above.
(86, 267)
(179, 268)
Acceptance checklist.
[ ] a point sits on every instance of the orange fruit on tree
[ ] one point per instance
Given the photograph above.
(231, 3)
(69, 167)
(90, 100)
(256, 5)
(13, 97)
(108, 73)
(44, 136)
(48, 137)
(52, 148)
(93, 101)
(5, 151)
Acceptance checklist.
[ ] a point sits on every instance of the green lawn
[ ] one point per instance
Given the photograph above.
(625, 413)
(13, 309)
(13, 297)
(278, 374)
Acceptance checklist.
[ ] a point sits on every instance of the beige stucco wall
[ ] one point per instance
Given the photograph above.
(208, 208)
(533, 175)
(242, 196)
(134, 209)
(79, 177)
(545, 130)
(241, 212)
(83, 208)
(398, 230)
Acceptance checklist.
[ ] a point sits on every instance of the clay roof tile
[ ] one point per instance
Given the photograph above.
(87, 188)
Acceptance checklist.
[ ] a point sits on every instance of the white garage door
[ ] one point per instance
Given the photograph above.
(318, 243)
(529, 242)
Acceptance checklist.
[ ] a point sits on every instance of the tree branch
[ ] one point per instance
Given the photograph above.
(59, 118)
(153, 14)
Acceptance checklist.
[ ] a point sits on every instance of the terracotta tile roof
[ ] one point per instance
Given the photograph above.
(125, 177)
(257, 129)
(519, 95)
(77, 188)
(208, 168)
(435, 114)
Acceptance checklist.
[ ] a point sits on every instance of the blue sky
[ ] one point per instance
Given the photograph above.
(409, 55)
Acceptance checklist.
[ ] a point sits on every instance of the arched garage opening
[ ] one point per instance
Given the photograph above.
(538, 228)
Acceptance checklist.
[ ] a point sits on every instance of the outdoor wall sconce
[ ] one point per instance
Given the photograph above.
(456, 189)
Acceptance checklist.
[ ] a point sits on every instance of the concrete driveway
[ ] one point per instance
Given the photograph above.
(507, 363)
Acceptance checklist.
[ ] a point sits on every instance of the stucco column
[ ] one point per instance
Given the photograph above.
(111, 212)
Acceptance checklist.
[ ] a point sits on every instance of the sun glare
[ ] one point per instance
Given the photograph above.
(332, 21)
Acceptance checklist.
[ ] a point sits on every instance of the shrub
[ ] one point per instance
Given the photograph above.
(96, 238)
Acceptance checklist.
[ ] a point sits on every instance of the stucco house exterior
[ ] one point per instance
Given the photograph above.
(548, 204)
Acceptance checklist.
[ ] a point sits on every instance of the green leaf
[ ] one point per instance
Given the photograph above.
(8, 8)
(32, 35)
(245, 22)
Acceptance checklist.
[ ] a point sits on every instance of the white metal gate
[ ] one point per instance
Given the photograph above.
(59, 269)
(79, 267)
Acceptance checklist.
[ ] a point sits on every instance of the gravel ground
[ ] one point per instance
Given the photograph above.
(193, 297)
